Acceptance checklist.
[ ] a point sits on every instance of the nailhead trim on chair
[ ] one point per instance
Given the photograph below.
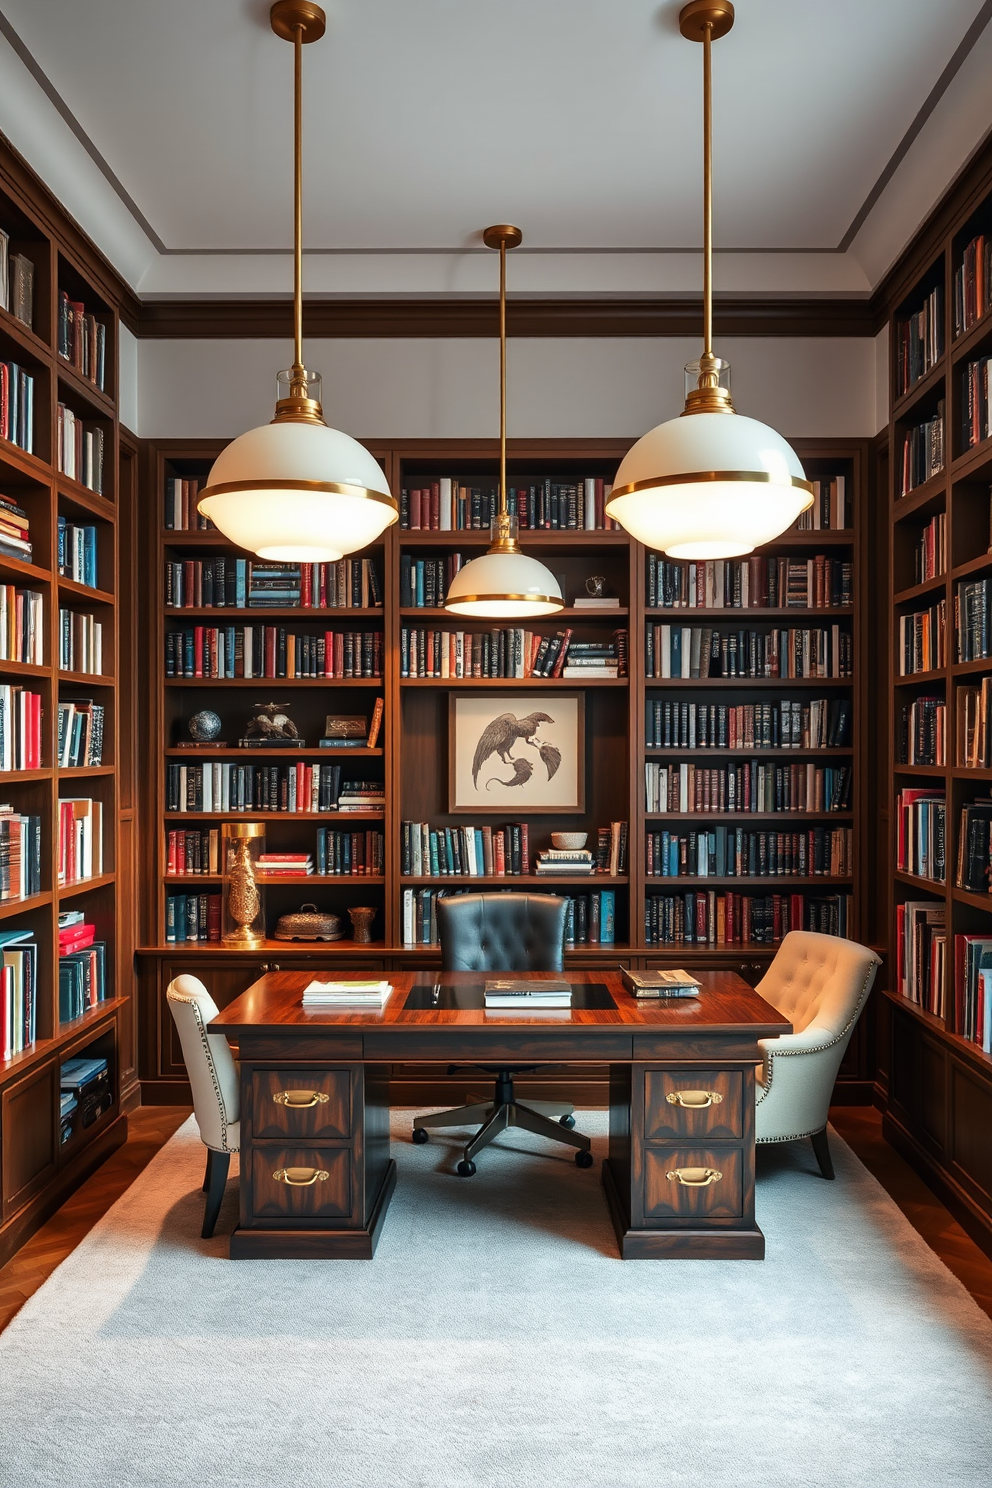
(192, 1002)
(770, 1057)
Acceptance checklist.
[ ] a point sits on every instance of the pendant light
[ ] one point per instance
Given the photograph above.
(709, 484)
(504, 584)
(296, 491)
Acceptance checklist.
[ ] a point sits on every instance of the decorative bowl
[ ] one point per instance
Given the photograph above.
(569, 841)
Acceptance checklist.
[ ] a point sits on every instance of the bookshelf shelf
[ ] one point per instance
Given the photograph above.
(746, 883)
(512, 880)
(203, 754)
(561, 539)
(515, 682)
(906, 403)
(261, 614)
(921, 500)
(89, 679)
(315, 816)
(83, 591)
(917, 591)
(780, 684)
(10, 907)
(91, 501)
(698, 614)
(653, 751)
(24, 669)
(787, 818)
(84, 885)
(326, 683)
(921, 679)
(81, 388)
(14, 571)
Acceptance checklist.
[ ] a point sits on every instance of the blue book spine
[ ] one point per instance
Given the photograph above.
(419, 600)
(240, 582)
(89, 557)
(61, 544)
(322, 850)
(434, 854)
(607, 916)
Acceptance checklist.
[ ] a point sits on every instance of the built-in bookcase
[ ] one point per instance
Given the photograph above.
(44, 1156)
(940, 1078)
(411, 757)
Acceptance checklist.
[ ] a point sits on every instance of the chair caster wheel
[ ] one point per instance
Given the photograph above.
(466, 1168)
(420, 1135)
(566, 1121)
(583, 1159)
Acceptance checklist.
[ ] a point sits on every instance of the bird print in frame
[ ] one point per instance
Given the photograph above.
(521, 752)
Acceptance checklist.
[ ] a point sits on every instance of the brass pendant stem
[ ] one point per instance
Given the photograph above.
(299, 385)
(707, 193)
(502, 378)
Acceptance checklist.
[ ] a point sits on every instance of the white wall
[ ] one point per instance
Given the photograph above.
(557, 388)
(127, 374)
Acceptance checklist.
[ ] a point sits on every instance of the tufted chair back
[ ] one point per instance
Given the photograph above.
(502, 932)
(210, 1065)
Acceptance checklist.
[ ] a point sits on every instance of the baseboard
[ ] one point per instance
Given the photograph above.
(853, 1093)
(131, 1096)
(974, 1221)
(165, 1093)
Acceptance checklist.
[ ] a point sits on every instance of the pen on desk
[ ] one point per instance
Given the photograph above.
(436, 997)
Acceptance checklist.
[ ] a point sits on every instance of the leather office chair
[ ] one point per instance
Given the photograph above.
(820, 983)
(504, 932)
(213, 1076)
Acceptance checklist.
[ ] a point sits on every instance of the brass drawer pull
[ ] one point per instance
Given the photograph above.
(694, 1177)
(694, 1100)
(300, 1177)
(300, 1100)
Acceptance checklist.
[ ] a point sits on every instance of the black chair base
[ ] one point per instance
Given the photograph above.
(821, 1151)
(503, 1111)
(214, 1183)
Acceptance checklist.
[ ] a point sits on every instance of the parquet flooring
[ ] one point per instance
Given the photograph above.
(150, 1127)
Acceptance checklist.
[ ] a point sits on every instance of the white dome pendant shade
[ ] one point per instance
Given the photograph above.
(709, 484)
(504, 584)
(296, 491)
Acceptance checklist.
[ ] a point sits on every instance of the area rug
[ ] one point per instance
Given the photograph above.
(496, 1341)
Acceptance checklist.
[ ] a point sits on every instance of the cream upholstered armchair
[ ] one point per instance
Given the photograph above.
(213, 1076)
(820, 983)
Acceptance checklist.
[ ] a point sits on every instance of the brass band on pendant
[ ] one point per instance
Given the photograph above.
(330, 488)
(460, 599)
(690, 477)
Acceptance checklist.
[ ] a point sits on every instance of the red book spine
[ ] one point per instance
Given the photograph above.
(415, 511)
(562, 654)
(198, 651)
(270, 650)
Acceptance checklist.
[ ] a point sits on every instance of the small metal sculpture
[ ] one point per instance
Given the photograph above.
(272, 722)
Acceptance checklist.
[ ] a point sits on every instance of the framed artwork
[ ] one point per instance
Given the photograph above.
(510, 752)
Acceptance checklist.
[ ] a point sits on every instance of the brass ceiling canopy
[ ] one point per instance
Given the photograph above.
(288, 15)
(694, 18)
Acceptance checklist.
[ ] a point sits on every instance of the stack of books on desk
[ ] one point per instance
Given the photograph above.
(560, 861)
(658, 984)
(325, 995)
(521, 995)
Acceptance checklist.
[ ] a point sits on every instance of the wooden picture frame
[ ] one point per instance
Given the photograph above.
(542, 773)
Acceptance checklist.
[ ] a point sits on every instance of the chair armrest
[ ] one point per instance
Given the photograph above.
(797, 1082)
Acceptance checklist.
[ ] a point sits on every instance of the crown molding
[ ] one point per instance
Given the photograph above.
(456, 318)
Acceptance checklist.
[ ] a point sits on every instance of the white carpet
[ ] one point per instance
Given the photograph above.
(496, 1341)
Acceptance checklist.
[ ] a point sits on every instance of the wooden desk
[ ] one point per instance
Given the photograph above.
(658, 1053)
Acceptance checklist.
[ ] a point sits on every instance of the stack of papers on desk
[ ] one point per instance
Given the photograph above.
(521, 995)
(326, 995)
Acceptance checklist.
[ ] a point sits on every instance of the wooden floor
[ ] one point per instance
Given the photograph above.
(150, 1127)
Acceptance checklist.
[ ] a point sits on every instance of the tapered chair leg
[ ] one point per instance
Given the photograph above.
(218, 1164)
(821, 1150)
(206, 1173)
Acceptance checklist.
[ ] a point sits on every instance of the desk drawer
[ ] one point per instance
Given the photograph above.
(693, 1105)
(305, 1183)
(297, 1104)
(679, 1183)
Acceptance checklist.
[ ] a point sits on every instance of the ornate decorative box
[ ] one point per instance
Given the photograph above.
(308, 923)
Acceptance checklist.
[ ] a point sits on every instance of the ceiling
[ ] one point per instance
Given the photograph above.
(166, 127)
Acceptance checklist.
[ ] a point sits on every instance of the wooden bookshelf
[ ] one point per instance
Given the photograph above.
(38, 1170)
(938, 1082)
(413, 767)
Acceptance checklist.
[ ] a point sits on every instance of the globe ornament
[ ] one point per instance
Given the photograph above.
(205, 726)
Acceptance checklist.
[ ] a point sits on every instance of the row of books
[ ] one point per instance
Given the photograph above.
(16, 282)
(76, 552)
(337, 853)
(80, 449)
(18, 991)
(15, 531)
(972, 870)
(297, 786)
(974, 727)
(80, 643)
(972, 600)
(976, 417)
(424, 581)
(922, 639)
(21, 625)
(20, 728)
(751, 786)
(920, 341)
(708, 918)
(921, 937)
(82, 967)
(922, 452)
(192, 917)
(241, 583)
(687, 651)
(80, 738)
(180, 512)
(930, 558)
(924, 730)
(831, 509)
(742, 852)
(972, 292)
(920, 833)
(80, 839)
(230, 651)
(17, 406)
(973, 989)
(590, 919)
(82, 340)
(754, 583)
(511, 652)
(475, 852)
(20, 854)
(823, 723)
(447, 506)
